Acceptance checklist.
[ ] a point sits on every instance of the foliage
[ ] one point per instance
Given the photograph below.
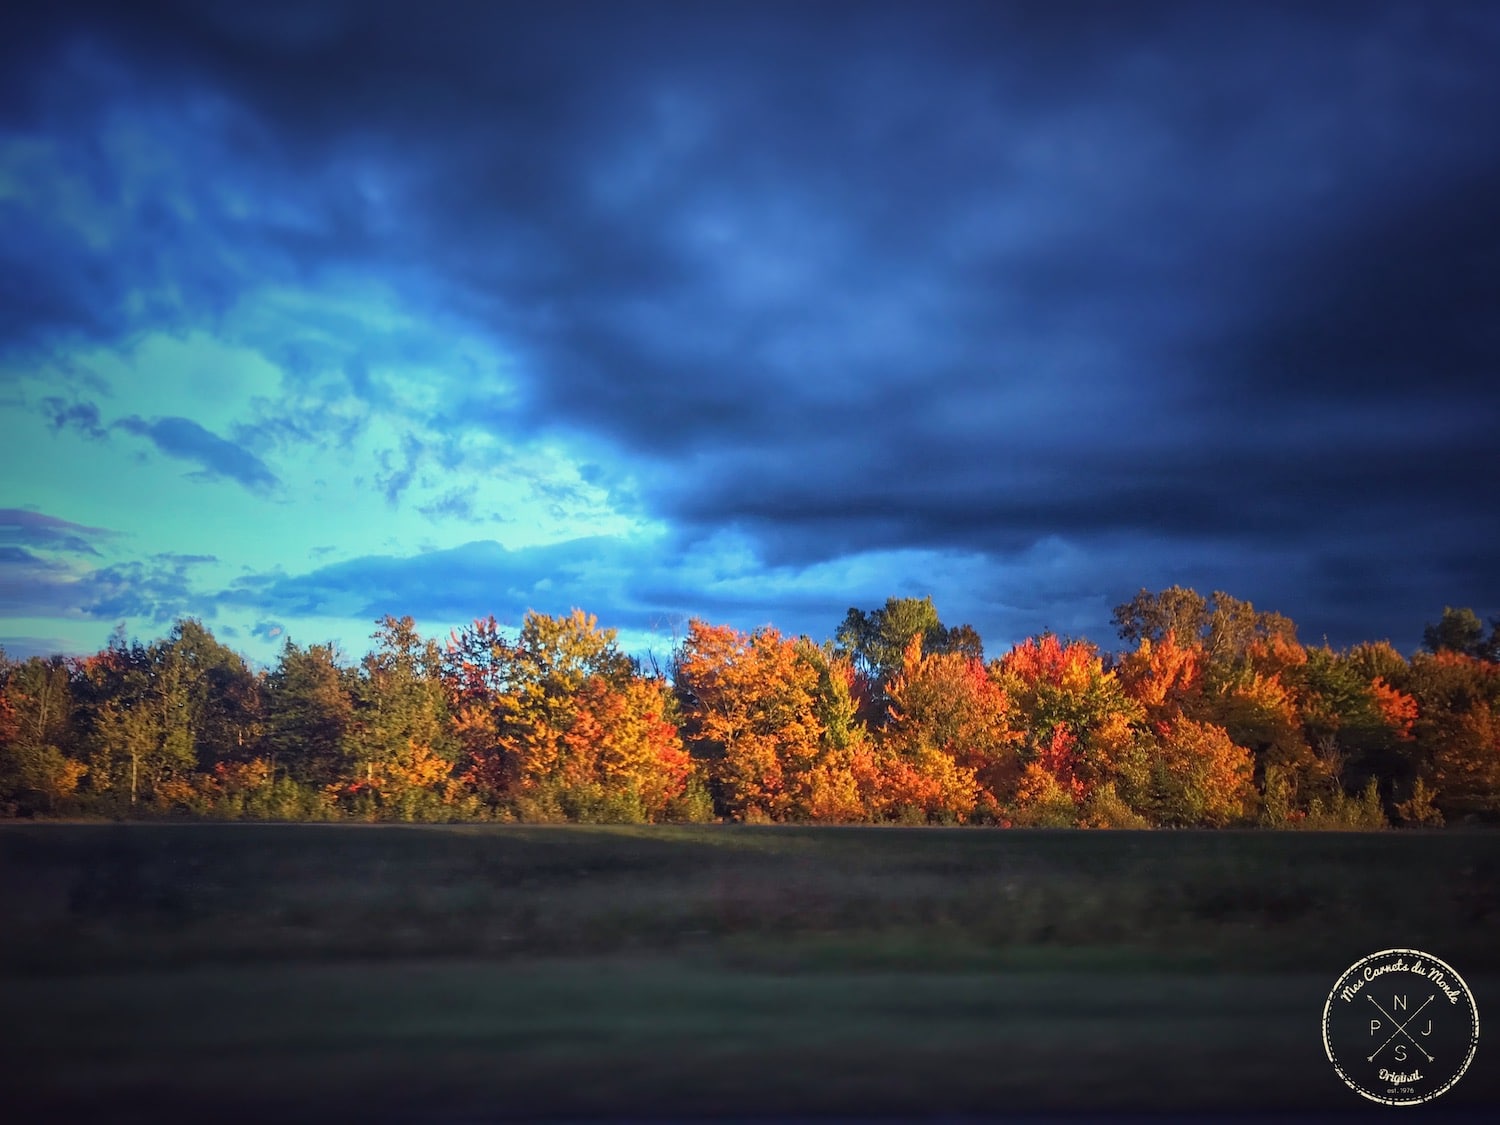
(875, 641)
(1042, 802)
(1199, 777)
(1461, 631)
(750, 712)
(1076, 719)
(947, 705)
(1418, 810)
(1347, 814)
(1106, 809)
(1217, 716)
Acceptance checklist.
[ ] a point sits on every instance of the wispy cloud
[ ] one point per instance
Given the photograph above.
(80, 416)
(36, 529)
(24, 647)
(67, 582)
(455, 504)
(185, 440)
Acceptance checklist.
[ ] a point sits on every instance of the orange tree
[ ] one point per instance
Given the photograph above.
(1079, 727)
(750, 713)
(952, 750)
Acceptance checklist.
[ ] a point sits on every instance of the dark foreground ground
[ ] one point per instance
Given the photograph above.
(341, 973)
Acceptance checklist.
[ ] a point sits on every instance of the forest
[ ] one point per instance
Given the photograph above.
(1212, 715)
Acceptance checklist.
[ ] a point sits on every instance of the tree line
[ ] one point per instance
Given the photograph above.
(1214, 716)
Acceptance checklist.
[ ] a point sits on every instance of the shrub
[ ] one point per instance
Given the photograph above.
(1418, 811)
(1105, 809)
(1348, 814)
(1042, 802)
(694, 805)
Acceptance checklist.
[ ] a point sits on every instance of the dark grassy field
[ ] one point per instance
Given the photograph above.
(304, 972)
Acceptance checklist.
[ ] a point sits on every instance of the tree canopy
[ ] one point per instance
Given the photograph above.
(1215, 715)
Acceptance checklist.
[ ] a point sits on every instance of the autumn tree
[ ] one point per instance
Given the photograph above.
(138, 707)
(875, 641)
(1454, 744)
(559, 723)
(1259, 711)
(749, 707)
(36, 705)
(624, 758)
(1225, 626)
(10, 723)
(1164, 676)
(397, 739)
(552, 660)
(950, 732)
(1080, 726)
(1197, 776)
(846, 783)
(1461, 631)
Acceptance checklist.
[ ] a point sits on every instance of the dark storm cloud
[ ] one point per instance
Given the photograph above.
(1186, 286)
(185, 440)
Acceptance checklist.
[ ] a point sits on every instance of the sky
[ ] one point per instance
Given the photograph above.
(320, 310)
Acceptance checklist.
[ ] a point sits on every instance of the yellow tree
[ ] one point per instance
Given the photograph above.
(1198, 776)
(514, 703)
(621, 743)
(844, 784)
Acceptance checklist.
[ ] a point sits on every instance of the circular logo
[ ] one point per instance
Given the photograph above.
(1400, 1027)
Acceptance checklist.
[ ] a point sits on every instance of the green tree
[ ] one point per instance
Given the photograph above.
(399, 713)
(1460, 630)
(1178, 610)
(138, 709)
(309, 711)
(876, 640)
(223, 696)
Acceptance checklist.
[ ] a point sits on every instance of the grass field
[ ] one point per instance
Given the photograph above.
(306, 972)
